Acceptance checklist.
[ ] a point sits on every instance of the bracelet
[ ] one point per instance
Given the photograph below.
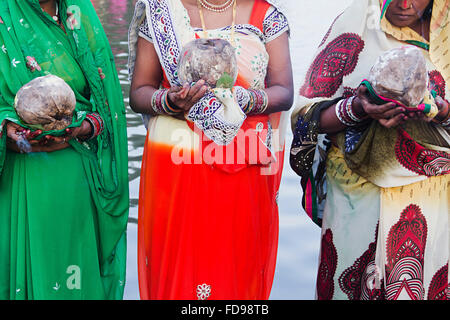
(162, 105)
(97, 125)
(259, 101)
(446, 121)
(345, 113)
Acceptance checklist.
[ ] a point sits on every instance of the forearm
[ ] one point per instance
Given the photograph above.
(280, 98)
(141, 98)
(329, 122)
(340, 114)
(264, 101)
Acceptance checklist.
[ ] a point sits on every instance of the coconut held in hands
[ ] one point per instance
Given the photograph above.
(401, 74)
(213, 60)
(46, 102)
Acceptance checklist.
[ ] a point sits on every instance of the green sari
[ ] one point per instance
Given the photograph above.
(63, 214)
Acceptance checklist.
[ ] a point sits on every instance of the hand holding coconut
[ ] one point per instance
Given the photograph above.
(397, 89)
(185, 97)
(23, 140)
(44, 104)
(389, 114)
(204, 64)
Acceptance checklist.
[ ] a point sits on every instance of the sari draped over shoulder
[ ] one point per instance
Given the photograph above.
(64, 213)
(208, 217)
(380, 195)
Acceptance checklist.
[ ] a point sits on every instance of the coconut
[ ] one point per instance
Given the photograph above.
(213, 60)
(401, 74)
(47, 103)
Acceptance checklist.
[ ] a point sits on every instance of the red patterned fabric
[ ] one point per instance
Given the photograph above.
(327, 35)
(418, 159)
(338, 59)
(358, 281)
(437, 83)
(405, 255)
(327, 267)
(349, 92)
(439, 286)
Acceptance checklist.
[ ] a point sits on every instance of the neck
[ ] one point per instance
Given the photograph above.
(48, 6)
(216, 2)
(422, 27)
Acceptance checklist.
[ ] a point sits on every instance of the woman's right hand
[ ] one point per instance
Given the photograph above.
(388, 115)
(187, 96)
(17, 133)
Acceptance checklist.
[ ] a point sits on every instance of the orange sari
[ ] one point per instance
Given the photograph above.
(208, 216)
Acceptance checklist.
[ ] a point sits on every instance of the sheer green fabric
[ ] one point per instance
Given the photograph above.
(82, 223)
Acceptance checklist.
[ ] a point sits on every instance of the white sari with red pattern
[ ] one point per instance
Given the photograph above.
(385, 227)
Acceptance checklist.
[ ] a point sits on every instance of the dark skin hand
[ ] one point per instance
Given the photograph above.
(400, 13)
(148, 75)
(47, 143)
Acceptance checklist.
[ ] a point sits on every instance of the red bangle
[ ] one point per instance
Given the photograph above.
(96, 123)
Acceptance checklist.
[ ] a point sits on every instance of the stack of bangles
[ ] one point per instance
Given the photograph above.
(97, 125)
(161, 104)
(446, 121)
(345, 113)
(258, 103)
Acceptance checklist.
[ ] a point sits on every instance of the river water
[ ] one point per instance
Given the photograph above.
(299, 238)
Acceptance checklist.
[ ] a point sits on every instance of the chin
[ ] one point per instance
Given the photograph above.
(401, 23)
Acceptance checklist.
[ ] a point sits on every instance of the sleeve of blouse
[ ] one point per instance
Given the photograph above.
(144, 31)
(274, 25)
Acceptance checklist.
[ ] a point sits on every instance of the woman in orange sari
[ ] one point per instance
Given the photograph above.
(208, 216)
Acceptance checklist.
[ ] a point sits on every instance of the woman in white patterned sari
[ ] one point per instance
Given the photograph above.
(379, 186)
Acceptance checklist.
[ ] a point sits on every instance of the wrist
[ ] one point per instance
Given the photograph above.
(173, 107)
(162, 104)
(358, 108)
(91, 127)
(348, 113)
(86, 129)
(258, 102)
(443, 114)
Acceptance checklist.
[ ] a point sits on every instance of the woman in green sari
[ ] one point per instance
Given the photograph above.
(64, 205)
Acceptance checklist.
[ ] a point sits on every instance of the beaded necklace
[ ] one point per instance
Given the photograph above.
(202, 18)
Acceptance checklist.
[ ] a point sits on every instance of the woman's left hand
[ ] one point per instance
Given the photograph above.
(77, 132)
(442, 114)
(443, 108)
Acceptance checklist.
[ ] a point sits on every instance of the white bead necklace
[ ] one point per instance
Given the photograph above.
(216, 8)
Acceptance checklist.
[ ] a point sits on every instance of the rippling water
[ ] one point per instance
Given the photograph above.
(116, 16)
(299, 238)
